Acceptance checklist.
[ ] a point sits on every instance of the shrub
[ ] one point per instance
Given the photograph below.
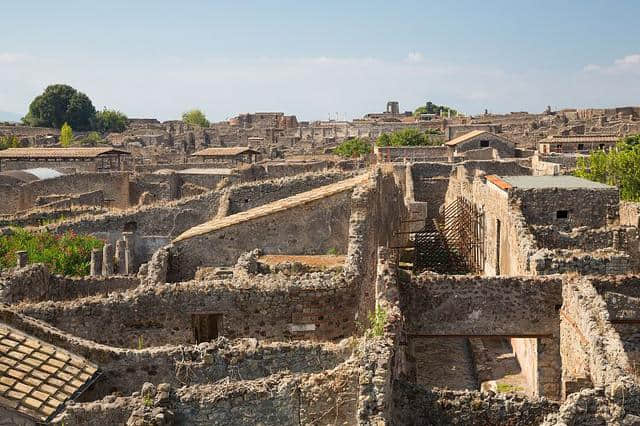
(195, 117)
(66, 135)
(9, 141)
(110, 120)
(354, 147)
(92, 139)
(67, 254)
(407, 137)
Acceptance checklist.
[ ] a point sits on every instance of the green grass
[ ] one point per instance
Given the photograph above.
(67, 254)
(507, 388)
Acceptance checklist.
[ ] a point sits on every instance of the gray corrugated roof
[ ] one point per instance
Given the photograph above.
(544, 182)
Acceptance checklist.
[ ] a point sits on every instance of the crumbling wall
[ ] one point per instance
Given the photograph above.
(125, 371)
(115, 186)
(314, 227)
(326, 398)
(248, 195)
(34, 283)
(311, 307)
(415, 405)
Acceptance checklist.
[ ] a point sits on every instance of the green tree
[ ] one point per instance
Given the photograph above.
(431, 108)
(618, 167)
(9, 141)
(92, 139)
(110, 120)
(354, 147)
(66, 135)
(58, 104)
(407, 137)
(195, 117)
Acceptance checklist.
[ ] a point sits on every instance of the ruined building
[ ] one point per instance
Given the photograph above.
(481, 285)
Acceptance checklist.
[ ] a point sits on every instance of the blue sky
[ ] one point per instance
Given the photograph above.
(159, 58)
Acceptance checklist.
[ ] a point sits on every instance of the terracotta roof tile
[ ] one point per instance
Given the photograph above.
(59, 152)
(224, 151)
(36, 378)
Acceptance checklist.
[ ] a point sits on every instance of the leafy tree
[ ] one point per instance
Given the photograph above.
(431, 108)
(58, 104)
(195, 117)
(92, 139)
(407, 137)
(9, 141)
(354, 147)
(618, 167)
(66, 135)
(110, 120)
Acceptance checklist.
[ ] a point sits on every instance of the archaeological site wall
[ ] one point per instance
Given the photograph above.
(35, 283)
(315, 308)
(114, 185)
(312, 222)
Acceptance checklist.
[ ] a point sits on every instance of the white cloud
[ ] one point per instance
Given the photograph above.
(10, 58)
(627, 64)
(312, 87)
(415, 57)
(629, 60)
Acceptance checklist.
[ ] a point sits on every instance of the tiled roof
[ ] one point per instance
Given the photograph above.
(581, 139)
(467, 136)
(274, 207)
(36, 378)
(59, 152)
(224, 152)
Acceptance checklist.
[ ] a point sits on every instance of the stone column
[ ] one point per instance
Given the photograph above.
(95, 268)
(129, 253)
(21, 259)
(121, 257)
(107, 259)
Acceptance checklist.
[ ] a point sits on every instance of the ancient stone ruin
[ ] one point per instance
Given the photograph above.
(472, 283)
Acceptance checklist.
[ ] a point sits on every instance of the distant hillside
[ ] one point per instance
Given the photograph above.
(9, 116)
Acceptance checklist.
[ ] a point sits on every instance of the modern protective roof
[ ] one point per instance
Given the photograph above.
(59, 152)
(37, 379)
(546, 182)
(225, 151)
(473, 134)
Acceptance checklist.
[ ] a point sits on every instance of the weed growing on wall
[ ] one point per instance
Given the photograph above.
(377, 321)
(67, 254)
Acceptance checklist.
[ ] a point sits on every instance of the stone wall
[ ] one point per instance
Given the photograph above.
(415, 405)
(114, 185)
(310, 228)
(450, 305)
(34, 283)
(326, 398)
(125, 371)
(248, 195)
(593, 208)
(268, 307)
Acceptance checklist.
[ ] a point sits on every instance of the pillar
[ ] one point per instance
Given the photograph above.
(129, 252)
(107, 259)
(95, 268)
(120, 266)
(21, 259)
